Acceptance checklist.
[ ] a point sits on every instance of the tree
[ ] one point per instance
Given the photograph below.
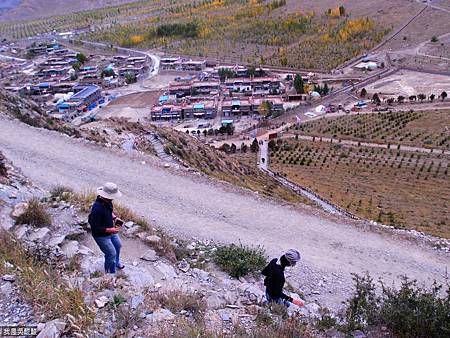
(432, 97)
(325, 90)
(376, 99)
(443, 95)
(244, 147)
(254, 147)
(81, 58)
(434, 39)
(299, 84)
(272, 145)
(130, 78)
(341, 10)
(205, 132)
(421, 97)
(108, 72)
(400, 99)
(363, 92)
(225, 148)
(76, 66)
(233, 148)
(265, 108)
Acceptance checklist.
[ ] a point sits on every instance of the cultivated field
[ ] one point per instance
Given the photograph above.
(418, 129)
(402, 189)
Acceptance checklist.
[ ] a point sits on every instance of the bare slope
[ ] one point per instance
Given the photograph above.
(332, 249)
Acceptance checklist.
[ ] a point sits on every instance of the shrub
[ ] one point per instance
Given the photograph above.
(3, 170)
(35, 214)
(410, 311)
(239, 260)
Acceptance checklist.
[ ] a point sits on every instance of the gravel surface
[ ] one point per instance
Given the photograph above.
(332, 248)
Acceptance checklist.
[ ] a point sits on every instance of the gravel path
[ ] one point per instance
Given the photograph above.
(332, 248)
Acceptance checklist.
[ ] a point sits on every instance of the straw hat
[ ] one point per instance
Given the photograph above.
(109, 191)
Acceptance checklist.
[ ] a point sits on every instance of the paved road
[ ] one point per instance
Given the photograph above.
(331, 248)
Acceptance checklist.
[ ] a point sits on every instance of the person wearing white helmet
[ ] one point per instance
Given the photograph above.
(274, 279)
(105, 226)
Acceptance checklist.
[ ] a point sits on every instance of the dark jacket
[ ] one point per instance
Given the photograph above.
(274, 280)
(101, 217)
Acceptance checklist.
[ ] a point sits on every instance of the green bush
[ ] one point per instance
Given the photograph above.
(240, 260)
(410, 311)
(35, 214)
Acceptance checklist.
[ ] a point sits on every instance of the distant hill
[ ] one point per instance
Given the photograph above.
(11, 10)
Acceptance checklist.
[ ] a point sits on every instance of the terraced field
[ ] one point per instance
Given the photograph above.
(402, 189)
(419, 129)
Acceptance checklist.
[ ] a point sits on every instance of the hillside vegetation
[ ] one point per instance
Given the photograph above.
(223, 167)
(263, 32)
(271, 32)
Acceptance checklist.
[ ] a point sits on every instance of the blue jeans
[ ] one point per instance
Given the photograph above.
(280, 301)
(110, 246)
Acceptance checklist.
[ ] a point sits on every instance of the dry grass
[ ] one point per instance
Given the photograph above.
(35, 214)
(43, 287)
(85, 200)
(178, 300)
(224, 167)
(398, 188)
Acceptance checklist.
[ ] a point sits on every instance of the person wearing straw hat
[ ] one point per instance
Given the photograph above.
(105, 226)
(275, 280)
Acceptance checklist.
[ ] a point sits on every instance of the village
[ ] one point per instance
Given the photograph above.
(196, 95)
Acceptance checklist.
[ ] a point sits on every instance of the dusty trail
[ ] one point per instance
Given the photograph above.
(195, 207)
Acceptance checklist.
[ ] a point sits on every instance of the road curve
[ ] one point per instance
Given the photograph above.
(332, 248)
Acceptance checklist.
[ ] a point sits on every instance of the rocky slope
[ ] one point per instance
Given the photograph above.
(133, 303)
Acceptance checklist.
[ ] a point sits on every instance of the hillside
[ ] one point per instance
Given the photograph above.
(34, 9)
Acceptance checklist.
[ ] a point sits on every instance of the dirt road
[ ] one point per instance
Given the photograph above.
(192, 206)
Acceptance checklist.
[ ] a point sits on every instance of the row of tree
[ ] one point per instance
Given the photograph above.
(400, 99)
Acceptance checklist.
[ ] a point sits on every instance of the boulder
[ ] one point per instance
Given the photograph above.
(19, 210)
(52, 329)
(70, 249)
(133, 230)
(214, 300)
(129, 224)
(358, 334)
(136, 301)
(21, 232)
(231, 297)
(160, 316)
(251, 294)
(167, 270)
(150, 256)
(39, 235)
(56, 240)
(6, 289)
(184, 266)
(153, 239)
(101, 301)
(9, 278)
